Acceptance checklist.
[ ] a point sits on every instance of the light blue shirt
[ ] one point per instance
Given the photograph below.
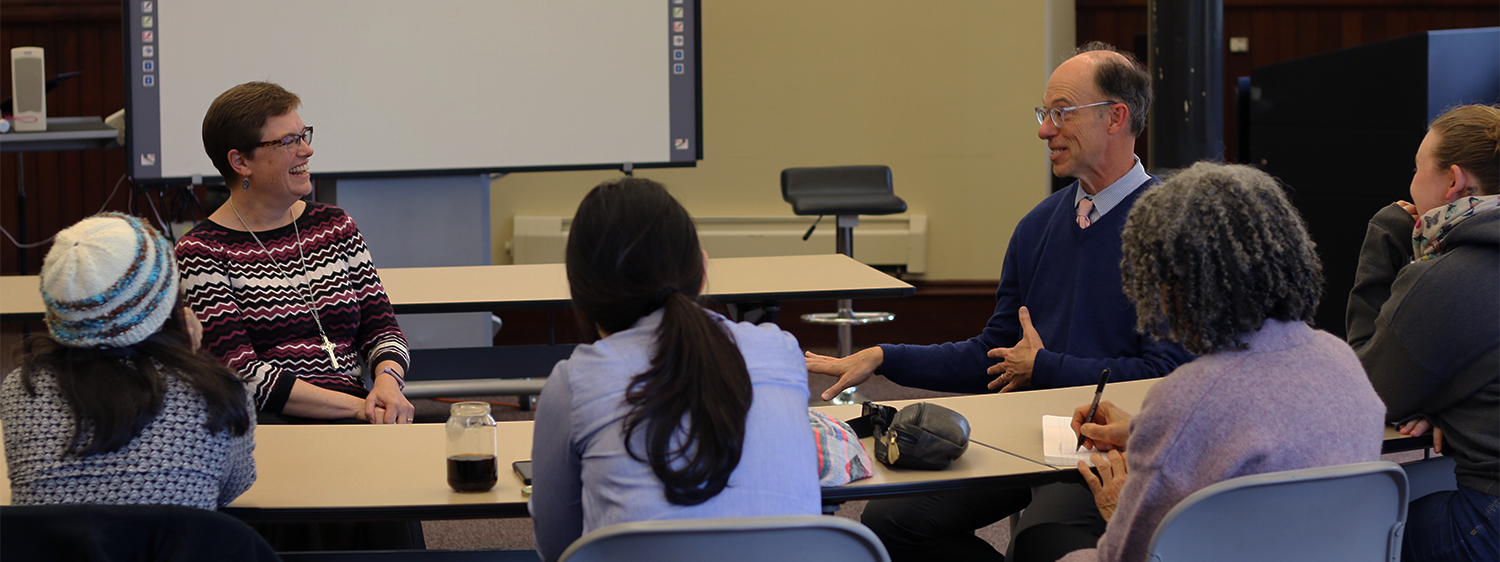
(584, 478)
(1111, 196)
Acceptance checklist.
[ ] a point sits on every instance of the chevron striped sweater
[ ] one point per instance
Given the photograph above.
(254, 306)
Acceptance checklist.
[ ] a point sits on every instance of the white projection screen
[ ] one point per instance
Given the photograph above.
(436, 87)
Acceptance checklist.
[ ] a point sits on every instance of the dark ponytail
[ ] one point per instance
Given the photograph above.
(632, 249)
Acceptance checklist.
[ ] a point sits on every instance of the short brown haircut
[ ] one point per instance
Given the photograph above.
(1470, 137)
(235, 118)
(1127, 82)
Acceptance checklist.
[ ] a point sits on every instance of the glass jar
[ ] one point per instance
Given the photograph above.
(471, 448)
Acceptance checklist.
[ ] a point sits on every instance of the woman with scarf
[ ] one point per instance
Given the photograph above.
(1424, 317)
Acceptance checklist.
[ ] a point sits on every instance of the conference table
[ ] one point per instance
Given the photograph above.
(399, 472)
(423, 290)
(379, 483)
(1012, 422)
(740, 283)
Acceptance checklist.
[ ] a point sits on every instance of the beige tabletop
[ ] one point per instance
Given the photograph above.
(354, 471)
(21, 295)
(400, 472)
(979, 467)
(1012, 422)
(394, 472)
(385, 471)
(799, 277)
(498, 287)
(362, 471)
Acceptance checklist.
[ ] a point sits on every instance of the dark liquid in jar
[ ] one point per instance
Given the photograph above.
(472, 473)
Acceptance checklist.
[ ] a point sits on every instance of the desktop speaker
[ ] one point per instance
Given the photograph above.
(29, 88)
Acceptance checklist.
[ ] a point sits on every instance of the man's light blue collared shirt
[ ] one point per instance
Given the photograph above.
(1111, 196)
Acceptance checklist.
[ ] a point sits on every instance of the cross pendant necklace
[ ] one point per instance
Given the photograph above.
(327, 346)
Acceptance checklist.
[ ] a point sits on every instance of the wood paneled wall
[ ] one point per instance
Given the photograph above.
(1287, 29)
(63, 187)
(941, 311)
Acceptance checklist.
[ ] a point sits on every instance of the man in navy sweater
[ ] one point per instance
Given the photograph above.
(1060, 318)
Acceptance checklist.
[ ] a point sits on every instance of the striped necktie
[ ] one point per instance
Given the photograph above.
(1085, 206)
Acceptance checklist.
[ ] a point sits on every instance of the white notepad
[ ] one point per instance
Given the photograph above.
(1058, 442)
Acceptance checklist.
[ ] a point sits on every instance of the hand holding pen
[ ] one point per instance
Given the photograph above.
(1102, 425)
(1109, 431)
(1093, 408)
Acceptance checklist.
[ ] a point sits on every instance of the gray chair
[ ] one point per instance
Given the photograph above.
(126, 533)
(814, 538)
(1429, 476)
(1347, 512)
(845, 192)
(413, 556)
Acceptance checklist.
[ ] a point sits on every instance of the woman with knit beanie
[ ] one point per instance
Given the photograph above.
(113, 405)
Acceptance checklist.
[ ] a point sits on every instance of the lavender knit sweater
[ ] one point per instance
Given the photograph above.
(1297, 398)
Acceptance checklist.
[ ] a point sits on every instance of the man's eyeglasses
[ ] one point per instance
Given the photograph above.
(289, 142)
(1059, 115)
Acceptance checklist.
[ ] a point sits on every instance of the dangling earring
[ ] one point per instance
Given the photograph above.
(246, 185)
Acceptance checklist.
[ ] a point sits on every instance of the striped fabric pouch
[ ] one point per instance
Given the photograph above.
(841, 457)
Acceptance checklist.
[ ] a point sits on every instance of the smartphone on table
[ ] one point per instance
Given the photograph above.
(523, 470)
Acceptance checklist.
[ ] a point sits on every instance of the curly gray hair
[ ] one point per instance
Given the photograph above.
(1215, 251)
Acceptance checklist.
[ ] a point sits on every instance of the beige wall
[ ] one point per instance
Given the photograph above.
(940, 91)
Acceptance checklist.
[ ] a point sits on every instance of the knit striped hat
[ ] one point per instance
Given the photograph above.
(108, 281)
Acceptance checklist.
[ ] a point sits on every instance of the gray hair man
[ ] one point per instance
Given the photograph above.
(1060, 314)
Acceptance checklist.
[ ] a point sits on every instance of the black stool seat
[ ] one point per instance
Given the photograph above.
(845, 192)
(841, 190)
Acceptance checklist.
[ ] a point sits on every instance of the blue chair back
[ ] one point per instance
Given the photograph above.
(814, 538)
(1346, 512)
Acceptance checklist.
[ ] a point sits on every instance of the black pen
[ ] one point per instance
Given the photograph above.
(1098, 391)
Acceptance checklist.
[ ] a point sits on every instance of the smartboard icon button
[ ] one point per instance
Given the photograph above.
(681, 144)
(148, 159)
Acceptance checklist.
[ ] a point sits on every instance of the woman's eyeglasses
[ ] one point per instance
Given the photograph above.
(289, 142)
